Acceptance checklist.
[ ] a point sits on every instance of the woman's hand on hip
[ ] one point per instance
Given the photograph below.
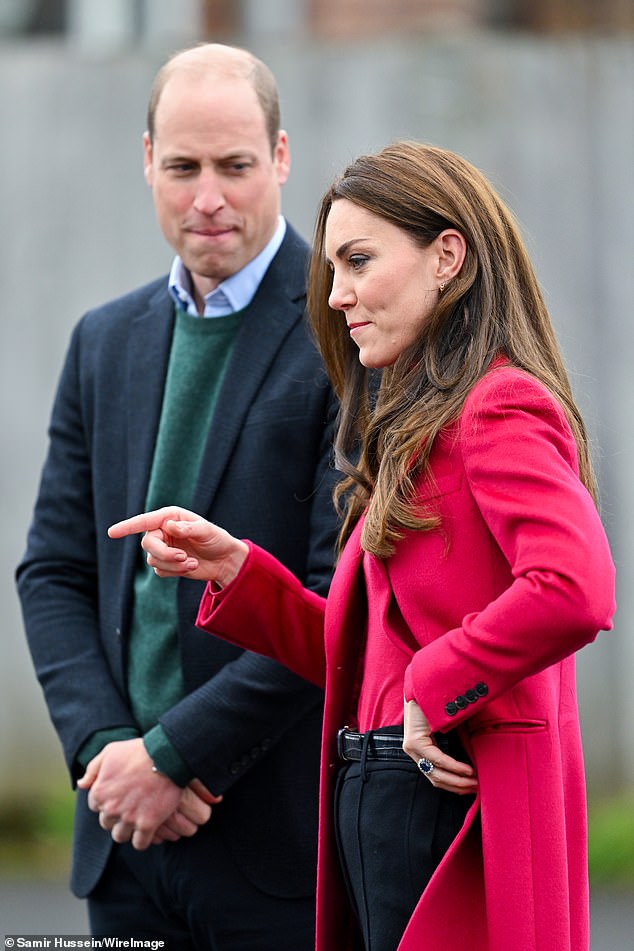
(442, 770)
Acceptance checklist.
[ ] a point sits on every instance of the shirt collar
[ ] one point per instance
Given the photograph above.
(233, 294)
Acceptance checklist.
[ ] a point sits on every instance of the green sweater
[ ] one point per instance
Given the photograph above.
(198, 359)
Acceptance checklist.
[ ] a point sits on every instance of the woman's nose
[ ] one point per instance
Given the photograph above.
(341, 297)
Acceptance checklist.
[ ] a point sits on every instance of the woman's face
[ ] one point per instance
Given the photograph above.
(383, 283)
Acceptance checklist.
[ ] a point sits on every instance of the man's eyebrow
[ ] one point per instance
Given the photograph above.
(232, 156)
(176, 157)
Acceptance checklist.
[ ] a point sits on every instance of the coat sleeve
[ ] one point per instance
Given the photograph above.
(267, 610)
(520, 462)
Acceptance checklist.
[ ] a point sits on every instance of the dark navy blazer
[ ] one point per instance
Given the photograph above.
(248, 728)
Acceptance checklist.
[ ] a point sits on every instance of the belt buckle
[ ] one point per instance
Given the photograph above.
(340, 733)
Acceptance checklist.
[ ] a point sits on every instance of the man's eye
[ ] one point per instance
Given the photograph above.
(238, 168)
(180, 168)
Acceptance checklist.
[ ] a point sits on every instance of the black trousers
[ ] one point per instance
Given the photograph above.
(192, 895)
(393, 828)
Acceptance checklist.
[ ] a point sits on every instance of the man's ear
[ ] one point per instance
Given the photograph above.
(147, 159)
(282, 157)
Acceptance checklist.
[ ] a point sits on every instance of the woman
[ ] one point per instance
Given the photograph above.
(473, 565)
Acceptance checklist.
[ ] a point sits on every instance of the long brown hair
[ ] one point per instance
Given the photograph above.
(493, 306)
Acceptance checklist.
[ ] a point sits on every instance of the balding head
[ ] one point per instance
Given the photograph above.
(226, 62)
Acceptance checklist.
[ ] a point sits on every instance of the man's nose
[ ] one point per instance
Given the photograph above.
(209, 193)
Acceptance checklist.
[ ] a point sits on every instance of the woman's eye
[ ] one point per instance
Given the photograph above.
(357, 261)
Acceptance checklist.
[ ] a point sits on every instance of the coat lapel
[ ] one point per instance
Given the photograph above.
(346, 607)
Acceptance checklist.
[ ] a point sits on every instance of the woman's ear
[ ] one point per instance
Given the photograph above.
(452, 249)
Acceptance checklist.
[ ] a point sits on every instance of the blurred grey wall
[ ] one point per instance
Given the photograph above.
(548, 120)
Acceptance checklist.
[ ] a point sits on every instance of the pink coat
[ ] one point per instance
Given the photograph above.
(492, 606)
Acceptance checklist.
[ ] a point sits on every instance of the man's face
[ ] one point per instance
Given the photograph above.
(215, 183)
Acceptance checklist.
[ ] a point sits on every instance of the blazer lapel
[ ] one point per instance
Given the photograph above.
(276, 308)
(147, 357)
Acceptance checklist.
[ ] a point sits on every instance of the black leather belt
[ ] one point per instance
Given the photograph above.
(350, 746)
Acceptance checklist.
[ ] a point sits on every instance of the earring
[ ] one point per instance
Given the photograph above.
(441, 287)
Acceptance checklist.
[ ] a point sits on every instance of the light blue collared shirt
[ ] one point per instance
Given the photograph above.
(233, 294)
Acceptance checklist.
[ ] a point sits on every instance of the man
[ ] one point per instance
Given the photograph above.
(230, 415)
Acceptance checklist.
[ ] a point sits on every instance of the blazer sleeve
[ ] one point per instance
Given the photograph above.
(267, 610)
(520, 462)
(58, 584)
